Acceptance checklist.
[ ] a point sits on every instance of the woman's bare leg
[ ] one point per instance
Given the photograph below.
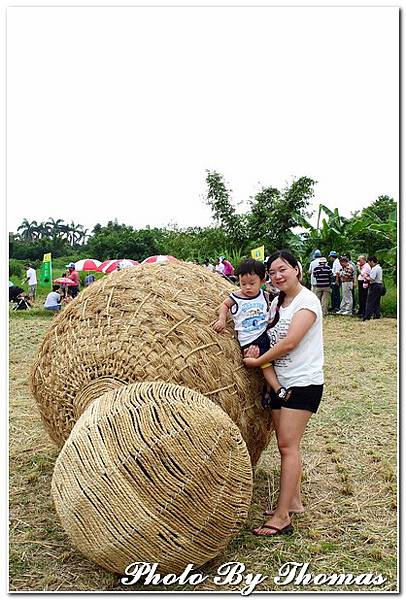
(290, 426)
(296, 505)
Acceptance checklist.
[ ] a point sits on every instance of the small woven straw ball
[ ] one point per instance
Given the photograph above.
(152, 472)
(147, 323)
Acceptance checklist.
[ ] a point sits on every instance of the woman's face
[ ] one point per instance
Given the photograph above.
(283, 275)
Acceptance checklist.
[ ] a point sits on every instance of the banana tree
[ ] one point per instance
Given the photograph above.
(329, 234)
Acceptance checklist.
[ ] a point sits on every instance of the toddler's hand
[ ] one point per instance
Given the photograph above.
(219, 326)
(251, 352)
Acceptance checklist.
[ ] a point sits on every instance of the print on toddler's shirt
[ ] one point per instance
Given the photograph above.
(253, 317)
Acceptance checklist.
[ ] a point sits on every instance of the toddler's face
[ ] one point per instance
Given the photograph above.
(250, 284)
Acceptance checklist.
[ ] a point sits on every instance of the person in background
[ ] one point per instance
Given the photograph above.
(31, 279)
(63, 286)
(208, 265)
(375, 281)
(314, 263)
(354, 286)
(90, 278)
(73, 274)
(363, 269)
(346, 275)
(53, 300)
(228, 267)
(269, 287)
(219, 267)
(335, 286)
(22, 302)
(322, 275)
(67, 298)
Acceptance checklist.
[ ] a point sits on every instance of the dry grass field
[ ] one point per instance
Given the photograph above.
(349, 477)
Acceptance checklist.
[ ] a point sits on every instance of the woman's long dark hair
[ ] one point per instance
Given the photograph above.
(289, 258)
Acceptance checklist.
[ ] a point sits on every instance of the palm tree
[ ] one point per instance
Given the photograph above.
(78, 233)
(84, 236)
(73, 232)
(28, 230)
(43, 231)
(56, 227)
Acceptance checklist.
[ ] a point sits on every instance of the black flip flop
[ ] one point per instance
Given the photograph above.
(277, 531)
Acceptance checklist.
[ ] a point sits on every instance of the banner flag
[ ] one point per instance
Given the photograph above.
(45, 274)
(258, 253)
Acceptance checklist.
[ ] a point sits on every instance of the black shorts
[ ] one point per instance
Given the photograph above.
(302, 398)
(262, 342)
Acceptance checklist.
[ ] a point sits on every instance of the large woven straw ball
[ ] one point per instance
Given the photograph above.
(152, 472)
(147, 323)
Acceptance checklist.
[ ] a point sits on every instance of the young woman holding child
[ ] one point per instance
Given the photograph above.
(296, 351)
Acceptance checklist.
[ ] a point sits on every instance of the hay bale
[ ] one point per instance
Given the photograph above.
(150, 323)
(152, 472)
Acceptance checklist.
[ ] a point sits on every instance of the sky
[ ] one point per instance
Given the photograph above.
(117, 112)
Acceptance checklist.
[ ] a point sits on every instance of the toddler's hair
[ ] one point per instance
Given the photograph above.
(251, 267)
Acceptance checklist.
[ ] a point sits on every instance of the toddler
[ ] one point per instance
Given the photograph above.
(249, 308)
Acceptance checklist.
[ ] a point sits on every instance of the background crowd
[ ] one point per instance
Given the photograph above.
(344, 287)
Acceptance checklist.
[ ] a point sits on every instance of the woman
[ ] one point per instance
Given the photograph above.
(53, 300)
(296, 340)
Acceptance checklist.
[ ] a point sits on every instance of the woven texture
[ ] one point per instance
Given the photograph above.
(152, 472)
(150, 323)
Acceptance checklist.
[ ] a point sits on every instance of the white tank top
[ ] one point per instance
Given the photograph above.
(250, 316)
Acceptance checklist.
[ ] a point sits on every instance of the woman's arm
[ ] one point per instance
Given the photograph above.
(300, 325)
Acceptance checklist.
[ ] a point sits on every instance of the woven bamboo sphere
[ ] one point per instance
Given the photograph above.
(159, 420)
(147, 323)
(152, 472)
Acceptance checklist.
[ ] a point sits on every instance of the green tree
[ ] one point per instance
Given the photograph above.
(56, 227)
(72, 232)
(382, 207)
(275, 213)
(330, 232)
(122, 241)
(43, 231)
(224, 213)
(28, 230)
(260, 220)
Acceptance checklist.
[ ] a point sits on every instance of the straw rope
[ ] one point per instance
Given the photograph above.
(152, 472)
(149, 323)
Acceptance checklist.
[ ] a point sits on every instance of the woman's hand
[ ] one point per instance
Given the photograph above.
(251, 355)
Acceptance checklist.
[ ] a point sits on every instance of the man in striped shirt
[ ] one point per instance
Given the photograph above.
(323, 275)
